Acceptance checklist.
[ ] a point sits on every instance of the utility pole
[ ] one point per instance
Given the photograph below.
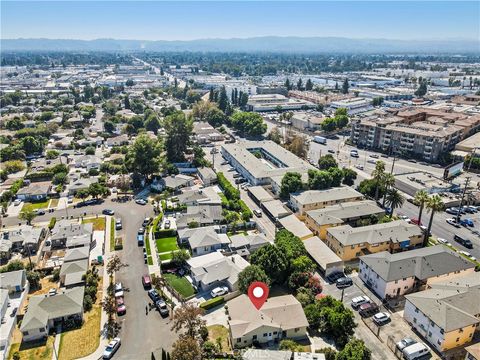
(394, 158)
(467, 180)
(471, 157)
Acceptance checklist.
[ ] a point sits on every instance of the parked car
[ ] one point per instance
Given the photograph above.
(141, 231)
(375, 156)
(121, 308)
(359, 167)
(405, 342)
(153, 295)
(219, 291)
(118, 290)
(461, 240)
(451, 211)
(70, 199)
(331, 151)
(452, 222)
(14, 312)
(344, 282)
(108, 212)
(473, 209)
(368, 309)
(333, 277)
(467, 222)
(371, 161)
(118, 224)
(162, 307)
(360, 300)
(240, 180)
(111, 348)
(146, 221)
(443, 241)
(381, 318)
(40, 212)
(415, 351)
(141, 201)
(257, 212)
(167, 224)
(140, 240)
(146, 282)
(17, 202)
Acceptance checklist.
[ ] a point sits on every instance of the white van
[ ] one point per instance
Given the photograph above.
(415, 351)
(258, 213)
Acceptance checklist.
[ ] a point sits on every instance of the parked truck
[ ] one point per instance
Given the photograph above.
(320, 139)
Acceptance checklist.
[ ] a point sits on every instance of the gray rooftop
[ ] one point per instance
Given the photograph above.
(320, 196)
(320, 252)
(335, 214)
(76, 254)
(422, 263)
(395, 231)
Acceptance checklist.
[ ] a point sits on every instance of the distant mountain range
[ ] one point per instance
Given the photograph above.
(255, 44)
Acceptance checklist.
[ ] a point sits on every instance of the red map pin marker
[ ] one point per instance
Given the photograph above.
(258, 293)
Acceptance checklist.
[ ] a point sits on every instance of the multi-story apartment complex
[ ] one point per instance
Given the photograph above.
(423, 133)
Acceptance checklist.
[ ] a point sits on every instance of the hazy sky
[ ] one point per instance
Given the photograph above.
(182, 20)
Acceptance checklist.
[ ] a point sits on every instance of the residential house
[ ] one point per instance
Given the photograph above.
(76, 254)
(13, 281)
(353, 213)
(447, 314)
(45, 312)
(117, 140)
(72, 273)
(246, 244)
(205, 133)
(393, 275)
(279, 318)
(205, 240)
(202, 215)
(68, 232)
(87, 162)
(207, 175)
(318, 199)
(24, 238)
(172, 182)
(35, 191)
(261, 354)
(77, 184)
(206, 195)
(210, 270)
(350, 243)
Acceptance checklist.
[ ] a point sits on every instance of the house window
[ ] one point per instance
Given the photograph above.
(441, 331)
(265, 335)
(460, 331)
(297, 329)
(458, 339)
(25, 333)
(239, 340)
(254, 337)
(404, 279)
(275, 333)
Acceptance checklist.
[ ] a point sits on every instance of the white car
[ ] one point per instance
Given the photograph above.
(443, 241)
(453, 222)
(359, 167)
(114, 190)
(17, 202)
(111, 348)
(360, 300)
(468, 255)
(381, 318)
(118, 290)
(405, 218)
(219, 291)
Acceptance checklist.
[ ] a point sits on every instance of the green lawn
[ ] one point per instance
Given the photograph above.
(35, 206)
(98, 223)
(112, 234)
(166, 256)
(167, 244)
(180, 284)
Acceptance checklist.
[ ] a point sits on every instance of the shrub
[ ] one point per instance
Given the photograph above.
(52, 223)
(206, 305)
(230, 192)
(87, 303)
(160, 234)
(118, 243)
(56, 275)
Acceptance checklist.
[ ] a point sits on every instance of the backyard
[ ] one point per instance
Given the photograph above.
(219, 332)
(181, 284)
(98, 223)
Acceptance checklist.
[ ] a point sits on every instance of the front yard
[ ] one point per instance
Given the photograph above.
(33, 351)
(81, 342)
(181, 284)
(35, 206)
(167, 244)
(98, 223)
(218, 334)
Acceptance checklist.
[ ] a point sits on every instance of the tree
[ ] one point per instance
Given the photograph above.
(388, 180)
(249, 124)
(422, 89)
(251, 274)
(434, 204)
(291, 183)
(97, 189)
(188, 321)
(394, 199)
(331, 317)
(290, 245)
(109, 126)
(297, 145)
(309, 85)
(355, 349)
(201, 109)
(186, 348)
(179, 258)
(326, 162)
(178, 129)
(32, 145)
(33, 278)
(319, 179)
(129, 82)
(27, 215)
(288, 85)
(275, 135)
(300, 84)
(287, 344)
(114, 264)
(302, 264)
(223, 100)
(420, 199)
(349, 176)
(378, 175)
(345, 86)
(152, 123)
(273, 261)
(143, 156)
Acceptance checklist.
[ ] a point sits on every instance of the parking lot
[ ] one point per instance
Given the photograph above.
(375, 337)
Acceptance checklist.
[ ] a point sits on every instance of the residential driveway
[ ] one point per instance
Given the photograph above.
(13, 210)
(216, 316)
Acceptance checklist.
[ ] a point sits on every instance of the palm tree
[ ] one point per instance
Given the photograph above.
(394, 199)
(421, 197)
(434, 204)
(377, 175)
(388, 181)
